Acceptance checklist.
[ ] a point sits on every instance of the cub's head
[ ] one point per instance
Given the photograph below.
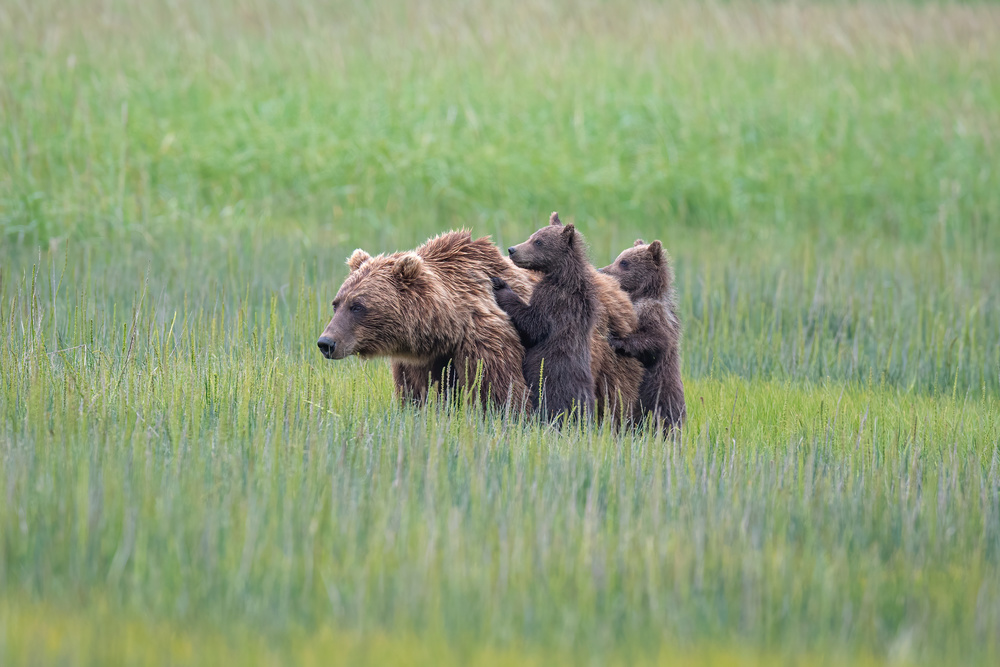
(369, 311)
(643, 271)
(548, 248)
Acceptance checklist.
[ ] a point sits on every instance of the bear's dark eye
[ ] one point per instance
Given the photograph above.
(357, 308)
(538, 242)
(334, 304)
(624, 263)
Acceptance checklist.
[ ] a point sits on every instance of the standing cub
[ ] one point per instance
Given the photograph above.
(556, 325)
(645, 274)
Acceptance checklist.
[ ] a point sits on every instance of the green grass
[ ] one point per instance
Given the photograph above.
(184, 480)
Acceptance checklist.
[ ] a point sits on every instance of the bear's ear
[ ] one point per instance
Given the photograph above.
(357, 258)
(656, 250)
(569, 233)
(408, 267)
(554, 219)
(638, 242)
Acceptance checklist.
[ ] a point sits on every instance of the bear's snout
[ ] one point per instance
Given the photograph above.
(326, 345)
(511, 250)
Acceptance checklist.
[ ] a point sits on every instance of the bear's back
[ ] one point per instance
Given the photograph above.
(468, 263)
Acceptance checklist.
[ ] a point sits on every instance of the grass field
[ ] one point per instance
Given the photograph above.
(184, 479)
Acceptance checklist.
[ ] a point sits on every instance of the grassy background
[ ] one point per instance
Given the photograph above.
(185, 480)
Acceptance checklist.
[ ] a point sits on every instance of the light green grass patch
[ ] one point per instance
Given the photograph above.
(35, 634)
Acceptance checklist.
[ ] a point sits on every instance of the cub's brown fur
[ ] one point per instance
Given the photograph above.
(645, 273)
(557, 324)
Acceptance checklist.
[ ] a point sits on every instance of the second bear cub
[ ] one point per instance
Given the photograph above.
(556, 325)
(645, 274)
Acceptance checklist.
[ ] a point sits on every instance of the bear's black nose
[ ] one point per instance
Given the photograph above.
(511, 250)
(326, 346)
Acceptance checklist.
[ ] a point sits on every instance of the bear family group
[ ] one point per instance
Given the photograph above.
(540, 330)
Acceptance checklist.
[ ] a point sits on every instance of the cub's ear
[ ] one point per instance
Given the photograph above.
(569, 233)
(357, 258)
(554, 219)
(656, 250)
(408, 267)
(638, 242)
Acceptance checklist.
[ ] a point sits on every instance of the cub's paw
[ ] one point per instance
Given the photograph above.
(616, 343)
(498, 283)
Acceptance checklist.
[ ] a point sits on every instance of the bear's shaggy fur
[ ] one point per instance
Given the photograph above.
(645, 273)
(432, 311)
(616, 376)
(557, 324)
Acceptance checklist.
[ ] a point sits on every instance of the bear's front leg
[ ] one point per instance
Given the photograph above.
(639, 345)
(529, 324)
(505, 297)
(410, 381)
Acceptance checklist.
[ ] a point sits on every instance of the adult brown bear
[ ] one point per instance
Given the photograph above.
(432, 311)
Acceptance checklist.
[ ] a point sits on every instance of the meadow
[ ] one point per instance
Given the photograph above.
(185, 480)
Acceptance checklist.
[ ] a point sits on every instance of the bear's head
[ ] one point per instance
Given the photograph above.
(643, 271)
(548, 249)
(370, 309)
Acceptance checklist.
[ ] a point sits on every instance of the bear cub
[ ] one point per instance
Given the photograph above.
(556, 325)
(645, 274)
